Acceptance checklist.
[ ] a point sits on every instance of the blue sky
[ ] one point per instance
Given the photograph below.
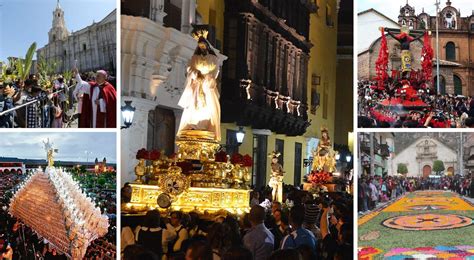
(391, 8)
(24, 21)
(72, 145)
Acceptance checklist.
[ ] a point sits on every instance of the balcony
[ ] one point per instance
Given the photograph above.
(264, 81)
(365, 146)
(260, 108)
(385, 150)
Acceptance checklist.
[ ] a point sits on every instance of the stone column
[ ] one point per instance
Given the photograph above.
(134, 137)
(188, 15)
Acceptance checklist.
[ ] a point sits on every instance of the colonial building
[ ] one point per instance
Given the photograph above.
(277, 81)
(91, 48)
(156, 48)
(376, 153)
(455, 47)
(420, 155)
(368, 24)
(468, 153)
(345, 76)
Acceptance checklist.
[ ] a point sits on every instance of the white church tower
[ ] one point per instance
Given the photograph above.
(58, 31)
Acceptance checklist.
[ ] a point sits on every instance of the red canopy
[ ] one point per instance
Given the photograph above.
(404, 103)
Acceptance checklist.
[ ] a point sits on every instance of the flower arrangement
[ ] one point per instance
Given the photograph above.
(154, 155)
(143, 154)
(243, 160)
(247, 161)
(236, 158)
(319, 177)
(220, 156)
(81, 220)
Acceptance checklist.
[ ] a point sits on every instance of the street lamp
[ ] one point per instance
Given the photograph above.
(240, 135)
(127, 113)
(348, 158)
(338, 156)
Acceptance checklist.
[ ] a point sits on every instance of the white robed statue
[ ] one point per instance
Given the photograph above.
(48, 147)
(200, 99)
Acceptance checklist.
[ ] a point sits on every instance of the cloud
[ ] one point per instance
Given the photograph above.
(72, 146)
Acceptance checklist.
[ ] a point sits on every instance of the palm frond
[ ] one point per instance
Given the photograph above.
(19, 68)
(28, 61)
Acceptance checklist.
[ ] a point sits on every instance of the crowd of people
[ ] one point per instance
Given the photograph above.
(304, 228)
(18, 241)
(377, 189)
(412, 104)
(87, 101)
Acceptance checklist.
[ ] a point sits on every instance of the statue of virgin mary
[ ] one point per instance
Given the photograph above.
(200, 99)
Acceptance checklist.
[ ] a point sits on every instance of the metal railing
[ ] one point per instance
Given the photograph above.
(13, 111)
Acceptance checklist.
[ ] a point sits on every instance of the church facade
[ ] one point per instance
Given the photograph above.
(456, 49)
(91, 48)
(420, 156)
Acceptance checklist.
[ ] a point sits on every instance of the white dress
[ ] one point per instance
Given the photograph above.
(200, 99)
(82, 87)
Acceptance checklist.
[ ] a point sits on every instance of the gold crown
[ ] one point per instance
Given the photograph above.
(200, 33)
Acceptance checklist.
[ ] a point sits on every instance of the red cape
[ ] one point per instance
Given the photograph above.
(109, 118)
(85, 120)
(404, 35)
(104, 120)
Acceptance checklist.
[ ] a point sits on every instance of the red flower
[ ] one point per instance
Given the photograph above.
(318, 177)
(381, 65)
(427, 54)
(247, 161)
(236, 158)
(143, 154)
(155, 155)
(221, 157)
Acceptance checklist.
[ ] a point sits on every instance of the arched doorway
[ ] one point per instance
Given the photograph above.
(442, 84)
(161, 130)
(426, 171)
(457, 85)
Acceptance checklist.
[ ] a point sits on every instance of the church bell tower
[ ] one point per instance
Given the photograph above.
(58, 30)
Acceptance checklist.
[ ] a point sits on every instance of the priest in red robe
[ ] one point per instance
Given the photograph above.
(99, 108)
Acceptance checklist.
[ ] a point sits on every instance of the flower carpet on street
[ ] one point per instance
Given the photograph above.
(419, 225)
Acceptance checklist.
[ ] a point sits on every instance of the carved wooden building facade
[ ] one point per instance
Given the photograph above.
(264, 82)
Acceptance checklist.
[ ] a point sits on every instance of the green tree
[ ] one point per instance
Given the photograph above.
(402, 168)
(438, 167)
(101, 181)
